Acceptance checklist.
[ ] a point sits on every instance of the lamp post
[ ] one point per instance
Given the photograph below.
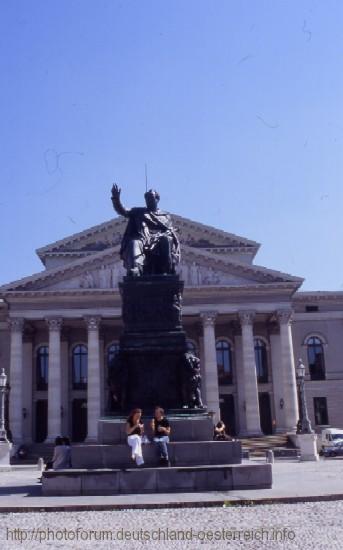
(3, 389)
(304, 423)
(306, 438)
(5, 446)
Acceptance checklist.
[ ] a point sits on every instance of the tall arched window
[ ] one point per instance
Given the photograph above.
(261, 360)
(315, 357)
(79, 367)
(112, 351)
(42, 368)
(224, 362)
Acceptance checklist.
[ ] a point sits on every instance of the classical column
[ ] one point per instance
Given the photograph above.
(93, 379)
(54, 379)
(210, 356)
(27, 391)
(290, 409)
(241, 420)
(251, 404)
(278, 389)
(65, 407)
(16, 380)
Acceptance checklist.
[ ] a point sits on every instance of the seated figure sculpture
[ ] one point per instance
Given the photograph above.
(149, 245)
(191, 384)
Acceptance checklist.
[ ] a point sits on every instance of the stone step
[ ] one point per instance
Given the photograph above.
(257, 446)
(183, 428)
(180, 454)
(156, 480)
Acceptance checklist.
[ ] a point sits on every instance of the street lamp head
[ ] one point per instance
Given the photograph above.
(3, 378)
(300, 369)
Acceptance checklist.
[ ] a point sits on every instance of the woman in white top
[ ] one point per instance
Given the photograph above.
(134, 430)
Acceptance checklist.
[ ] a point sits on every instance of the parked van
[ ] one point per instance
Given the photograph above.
(329, 439)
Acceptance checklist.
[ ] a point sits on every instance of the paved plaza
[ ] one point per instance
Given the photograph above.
(292, 480)
(268, 518)
(315, 525)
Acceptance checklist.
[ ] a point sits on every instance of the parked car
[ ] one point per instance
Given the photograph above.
(329, 439)
(336, 450)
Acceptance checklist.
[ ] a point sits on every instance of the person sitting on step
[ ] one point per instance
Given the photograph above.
(66, 442)
(161, 429)
(61, 457)
(220, 432)
(134, 430)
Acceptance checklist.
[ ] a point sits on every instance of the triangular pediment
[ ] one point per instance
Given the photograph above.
(109, 234)
(104, 269)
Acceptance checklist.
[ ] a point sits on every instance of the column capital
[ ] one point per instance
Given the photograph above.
(284, 316)
(16, 324)
(93, 322)
(208, 318)
(246, 317)
(54, 323)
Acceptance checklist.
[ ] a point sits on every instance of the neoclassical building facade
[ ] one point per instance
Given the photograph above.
(59, 330)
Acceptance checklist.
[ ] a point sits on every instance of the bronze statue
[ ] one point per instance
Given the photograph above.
(191, 384)
(149, 245)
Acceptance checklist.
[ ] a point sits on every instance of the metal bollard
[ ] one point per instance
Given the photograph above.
(270, 456)
(40, 465)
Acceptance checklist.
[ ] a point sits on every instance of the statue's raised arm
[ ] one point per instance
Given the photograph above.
(117, 205)
(149, 245)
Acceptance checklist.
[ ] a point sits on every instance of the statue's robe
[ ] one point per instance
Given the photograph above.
(146, 227)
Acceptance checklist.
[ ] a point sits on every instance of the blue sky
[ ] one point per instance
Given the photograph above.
(236, 107)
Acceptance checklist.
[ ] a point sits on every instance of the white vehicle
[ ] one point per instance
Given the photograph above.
(329, 439)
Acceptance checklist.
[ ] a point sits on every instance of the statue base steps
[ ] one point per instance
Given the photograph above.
(200, 453)
(186, 427)
(156, 480)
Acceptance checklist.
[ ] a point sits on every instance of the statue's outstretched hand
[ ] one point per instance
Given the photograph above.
(116, 191)
(117, 205)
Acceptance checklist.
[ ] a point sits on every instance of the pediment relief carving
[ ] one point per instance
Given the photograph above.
(109, 275)
(105, 276)
(194, 274)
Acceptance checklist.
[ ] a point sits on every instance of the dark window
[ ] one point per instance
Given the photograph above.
(79, 365)
(192, 347)
(308, 309)
(41, 420)
(79, 420)
(224, 362)
(315, 356)
(261, 360)
(112, 351)
(320, 411)
(42, 367)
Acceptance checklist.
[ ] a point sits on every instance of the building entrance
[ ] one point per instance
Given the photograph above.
(79, 420)
(227, 413)
(41, 420)
(265, 413)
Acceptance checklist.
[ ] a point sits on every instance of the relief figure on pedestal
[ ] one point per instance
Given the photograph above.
(150, 245)
(191, 384)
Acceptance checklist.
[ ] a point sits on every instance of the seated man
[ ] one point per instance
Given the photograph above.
(161, 429)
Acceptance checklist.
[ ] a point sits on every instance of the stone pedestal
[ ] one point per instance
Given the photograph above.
(149, 368)
(308, 447)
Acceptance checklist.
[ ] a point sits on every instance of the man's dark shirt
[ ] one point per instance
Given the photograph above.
(164, 423)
